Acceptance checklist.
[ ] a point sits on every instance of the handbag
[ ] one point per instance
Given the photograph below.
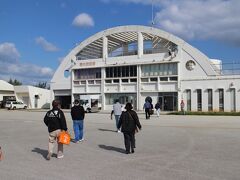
(64, 138)
(136, 129)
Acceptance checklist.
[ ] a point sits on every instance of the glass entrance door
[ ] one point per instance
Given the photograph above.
(168, 101)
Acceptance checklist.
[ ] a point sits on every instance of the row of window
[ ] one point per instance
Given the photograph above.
(210, 99)
(94, 73)
(159, 69)
(128, 71)
(121, 71)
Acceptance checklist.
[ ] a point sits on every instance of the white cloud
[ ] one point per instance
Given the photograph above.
(11, 67)
(197, 19)
(47, 46)
(83, 20)
(8, 52)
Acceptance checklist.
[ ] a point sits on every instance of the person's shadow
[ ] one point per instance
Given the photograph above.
(112, 148)
(100, 129)
(43, 152)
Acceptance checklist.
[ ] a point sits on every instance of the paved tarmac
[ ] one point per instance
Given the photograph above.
(168, 148)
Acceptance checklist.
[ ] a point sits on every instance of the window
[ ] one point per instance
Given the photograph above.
(108, 81)
(93, 73)
(133, 80)
(221, 100)
(144, 79)
(90, 81)
(125, 80)
(116, 81)
(199, 99)
(153, 79)
(163, 78)
(188, 92)
(159, 69)
(173, 78)
(233, 99)
(121, 71)
(210, 99)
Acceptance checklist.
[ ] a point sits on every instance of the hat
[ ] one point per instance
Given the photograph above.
(128, 106)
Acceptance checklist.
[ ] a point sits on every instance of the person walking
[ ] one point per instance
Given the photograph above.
(78, 114)
(182, 105)
(129, 123)
(56, 122)
(117, 111)
(147, 107)
(158, 108)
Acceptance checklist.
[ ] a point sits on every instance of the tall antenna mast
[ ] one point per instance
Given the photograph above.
(152, 15)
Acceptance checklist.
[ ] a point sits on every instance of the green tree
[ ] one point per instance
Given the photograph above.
(43, 85)
(14, 82)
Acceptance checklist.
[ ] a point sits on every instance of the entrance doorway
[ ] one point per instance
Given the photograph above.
(65, 101)
(168, 101)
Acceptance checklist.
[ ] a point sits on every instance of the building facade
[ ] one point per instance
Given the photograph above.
(130, 63)
(33, 97)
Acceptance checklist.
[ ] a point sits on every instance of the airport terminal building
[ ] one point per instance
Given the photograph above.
(130, 63)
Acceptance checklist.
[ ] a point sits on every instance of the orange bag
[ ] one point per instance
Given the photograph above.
(64, 138)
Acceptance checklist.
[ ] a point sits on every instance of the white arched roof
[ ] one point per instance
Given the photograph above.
(196, 55)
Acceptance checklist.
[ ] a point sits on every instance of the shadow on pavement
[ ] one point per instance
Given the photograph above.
(112, 148)
(106, 130)
(43, 152)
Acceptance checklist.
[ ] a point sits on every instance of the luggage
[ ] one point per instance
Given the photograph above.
(151, 111)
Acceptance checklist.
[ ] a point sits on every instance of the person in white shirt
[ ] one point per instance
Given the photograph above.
(117, 111)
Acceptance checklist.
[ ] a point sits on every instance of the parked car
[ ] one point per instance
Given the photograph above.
(15, 105)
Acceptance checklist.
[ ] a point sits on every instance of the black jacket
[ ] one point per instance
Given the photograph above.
(77, 113)
(129, 122)
(57, 121)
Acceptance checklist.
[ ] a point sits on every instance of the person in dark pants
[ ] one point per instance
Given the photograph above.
(128, 123)
(147, 106)
(78, 114)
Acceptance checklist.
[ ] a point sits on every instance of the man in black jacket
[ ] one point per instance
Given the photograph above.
(129, 123)
(56, 122)
(77, 113)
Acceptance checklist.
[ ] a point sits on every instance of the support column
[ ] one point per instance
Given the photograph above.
(139, 106)
(105, 48)
(72, 86)
(140, 44)
(103, 87)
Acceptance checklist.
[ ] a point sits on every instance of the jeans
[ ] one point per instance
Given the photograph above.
(147, 113)
(117, 117)
(78, 129)
(158, 112)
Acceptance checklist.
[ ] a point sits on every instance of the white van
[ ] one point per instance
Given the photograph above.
(90, 103)
(15, 105)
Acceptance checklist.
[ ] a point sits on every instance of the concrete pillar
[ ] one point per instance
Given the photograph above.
(140, 44)
(139, 107)
(105, 48)
(103, 87)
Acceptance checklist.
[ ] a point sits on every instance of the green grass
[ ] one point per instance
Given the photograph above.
(207, 113)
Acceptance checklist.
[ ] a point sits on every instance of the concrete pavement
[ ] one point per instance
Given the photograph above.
(171, 147)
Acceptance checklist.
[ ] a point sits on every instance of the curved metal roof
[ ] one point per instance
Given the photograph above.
(128, 33)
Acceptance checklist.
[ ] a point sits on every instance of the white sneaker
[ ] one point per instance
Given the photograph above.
(60, 157)
(118, 131)
(81, 140)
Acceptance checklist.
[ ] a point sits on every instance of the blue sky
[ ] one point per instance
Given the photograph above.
(36, 34)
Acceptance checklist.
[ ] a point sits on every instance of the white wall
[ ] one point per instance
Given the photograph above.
(214, 84)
